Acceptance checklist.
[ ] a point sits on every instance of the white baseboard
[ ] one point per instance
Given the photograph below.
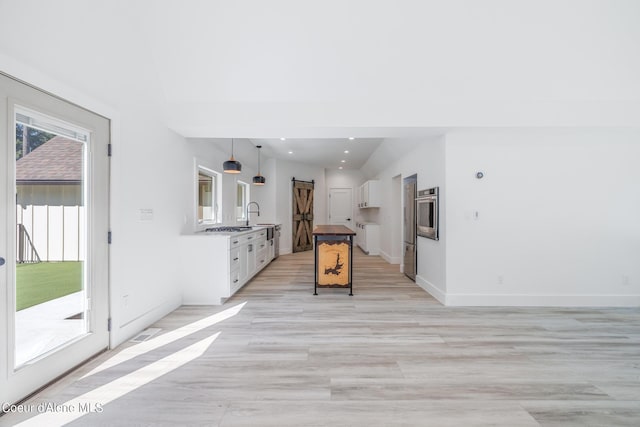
(122, 332)
(524, 300)
(432, 289)
(391, 260)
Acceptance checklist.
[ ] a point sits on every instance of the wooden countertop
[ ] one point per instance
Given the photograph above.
(332, 230)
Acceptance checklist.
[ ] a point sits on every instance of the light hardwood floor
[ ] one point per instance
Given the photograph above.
(390, 355)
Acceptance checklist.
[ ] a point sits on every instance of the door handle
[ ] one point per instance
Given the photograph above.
(348, 219)
(1, 261)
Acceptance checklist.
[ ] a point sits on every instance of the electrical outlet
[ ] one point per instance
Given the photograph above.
(501, 280)
(125, 300)
(625, 280)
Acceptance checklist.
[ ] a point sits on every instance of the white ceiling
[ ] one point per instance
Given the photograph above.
(319, 72)
(322, 152)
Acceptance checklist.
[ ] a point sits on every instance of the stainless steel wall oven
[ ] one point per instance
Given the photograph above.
(427, 213)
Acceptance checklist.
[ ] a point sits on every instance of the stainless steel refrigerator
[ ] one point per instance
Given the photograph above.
(409, 225)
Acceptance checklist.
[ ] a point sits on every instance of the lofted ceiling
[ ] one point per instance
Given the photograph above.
(317, 73)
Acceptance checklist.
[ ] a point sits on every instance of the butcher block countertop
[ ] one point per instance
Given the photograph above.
(332, 230)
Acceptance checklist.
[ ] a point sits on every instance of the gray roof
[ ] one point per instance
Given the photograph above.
(58, 160)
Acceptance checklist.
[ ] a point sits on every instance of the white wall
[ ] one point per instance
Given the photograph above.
(557, 217)
(266, 195)
(426, 157)
(285, 171)
(209, 155)
(556, 223)
(144, 279)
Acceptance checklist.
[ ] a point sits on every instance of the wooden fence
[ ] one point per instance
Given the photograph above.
(57, 233)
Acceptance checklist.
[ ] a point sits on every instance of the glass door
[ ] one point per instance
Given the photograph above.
(50, 273)
(54, 284)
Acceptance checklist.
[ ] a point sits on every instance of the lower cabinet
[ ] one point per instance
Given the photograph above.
(221, 264)
(368, 238)
(253, 254)
(234, 281)
(250, 260)
(262, 254)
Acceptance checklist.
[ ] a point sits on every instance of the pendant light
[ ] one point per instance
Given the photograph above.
(232, 165)
(258, 179)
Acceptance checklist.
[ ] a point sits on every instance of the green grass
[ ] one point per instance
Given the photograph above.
(42, 282)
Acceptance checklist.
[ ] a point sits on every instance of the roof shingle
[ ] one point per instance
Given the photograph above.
(59, 159)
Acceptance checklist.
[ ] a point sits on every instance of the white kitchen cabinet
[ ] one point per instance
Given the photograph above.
(220, 264)
(250, 256)
(368, 238)
(368, 195)
(262, 254)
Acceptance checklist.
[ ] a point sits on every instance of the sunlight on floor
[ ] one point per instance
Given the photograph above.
(95, 400)
(157, 342)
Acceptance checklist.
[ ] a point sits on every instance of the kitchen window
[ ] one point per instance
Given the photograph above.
(242, 199)
(208, 195)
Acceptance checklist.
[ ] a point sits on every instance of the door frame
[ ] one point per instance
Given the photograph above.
(397, 238)
(21, 381)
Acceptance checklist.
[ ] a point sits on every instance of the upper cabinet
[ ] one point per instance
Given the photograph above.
(369, 194)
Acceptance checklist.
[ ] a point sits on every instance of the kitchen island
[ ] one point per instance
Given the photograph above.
(333, 247)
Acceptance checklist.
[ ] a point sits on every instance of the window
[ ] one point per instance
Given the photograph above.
(208, 196)
(242, 199)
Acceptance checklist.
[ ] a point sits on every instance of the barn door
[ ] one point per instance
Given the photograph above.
(302, 216)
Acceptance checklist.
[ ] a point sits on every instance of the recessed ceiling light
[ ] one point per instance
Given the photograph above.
(340, 167)
(283, 139)
(346, 151)
(343, 161)
(351, 138)
(290, 152)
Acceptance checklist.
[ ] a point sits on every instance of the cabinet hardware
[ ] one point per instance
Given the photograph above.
(235, 241)
(235, 259)
(235, 281)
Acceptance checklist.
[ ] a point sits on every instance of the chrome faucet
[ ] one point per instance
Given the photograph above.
(250, 212)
